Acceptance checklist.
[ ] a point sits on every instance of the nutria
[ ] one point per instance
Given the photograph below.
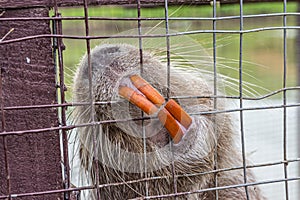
(129, 150)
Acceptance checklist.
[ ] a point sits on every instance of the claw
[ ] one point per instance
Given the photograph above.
(172, 116)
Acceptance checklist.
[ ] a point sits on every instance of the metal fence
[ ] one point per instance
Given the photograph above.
(55, 108)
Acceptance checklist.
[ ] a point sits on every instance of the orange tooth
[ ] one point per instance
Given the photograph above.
(171, 125)
(138, 100)
(178, 113)
(152, 94)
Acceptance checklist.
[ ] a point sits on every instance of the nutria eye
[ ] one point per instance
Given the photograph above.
(110, 50)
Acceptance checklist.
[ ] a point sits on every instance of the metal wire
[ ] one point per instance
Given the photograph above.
(161, 177)
(142, 74)
(92, 106)
(215, 91)
(57, 37)
(58, 47)
(285, 100)
(146, 36)
(241, 97)
(168, 46)
(150, 18)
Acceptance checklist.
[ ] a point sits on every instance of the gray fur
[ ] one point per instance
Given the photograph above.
(194, 154)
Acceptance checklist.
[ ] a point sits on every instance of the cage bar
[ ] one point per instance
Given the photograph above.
(32, 114)
(65, 3)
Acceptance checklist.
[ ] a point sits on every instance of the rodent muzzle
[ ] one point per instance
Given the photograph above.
(149, 100)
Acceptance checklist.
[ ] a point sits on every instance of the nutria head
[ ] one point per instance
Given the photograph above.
(123, 149)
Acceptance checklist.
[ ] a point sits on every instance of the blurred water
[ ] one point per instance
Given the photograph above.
(264, 144)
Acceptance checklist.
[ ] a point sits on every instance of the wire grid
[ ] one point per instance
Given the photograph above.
(59, 47)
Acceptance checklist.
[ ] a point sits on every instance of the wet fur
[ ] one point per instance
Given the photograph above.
(195, 154)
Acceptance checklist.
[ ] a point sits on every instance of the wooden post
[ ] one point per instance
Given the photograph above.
(28, 162)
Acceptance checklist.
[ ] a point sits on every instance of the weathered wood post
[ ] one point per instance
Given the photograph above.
(29, 162)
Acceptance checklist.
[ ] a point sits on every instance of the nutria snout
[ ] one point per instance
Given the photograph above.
(134, 149)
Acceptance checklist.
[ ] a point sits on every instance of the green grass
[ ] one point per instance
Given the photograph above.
(180, 11)
(262, 51)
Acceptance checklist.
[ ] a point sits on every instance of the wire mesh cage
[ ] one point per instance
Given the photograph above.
(71, 130)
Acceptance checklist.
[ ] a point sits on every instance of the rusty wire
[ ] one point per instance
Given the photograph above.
(57, 37)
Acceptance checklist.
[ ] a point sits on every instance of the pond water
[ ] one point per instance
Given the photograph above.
(263, 131)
